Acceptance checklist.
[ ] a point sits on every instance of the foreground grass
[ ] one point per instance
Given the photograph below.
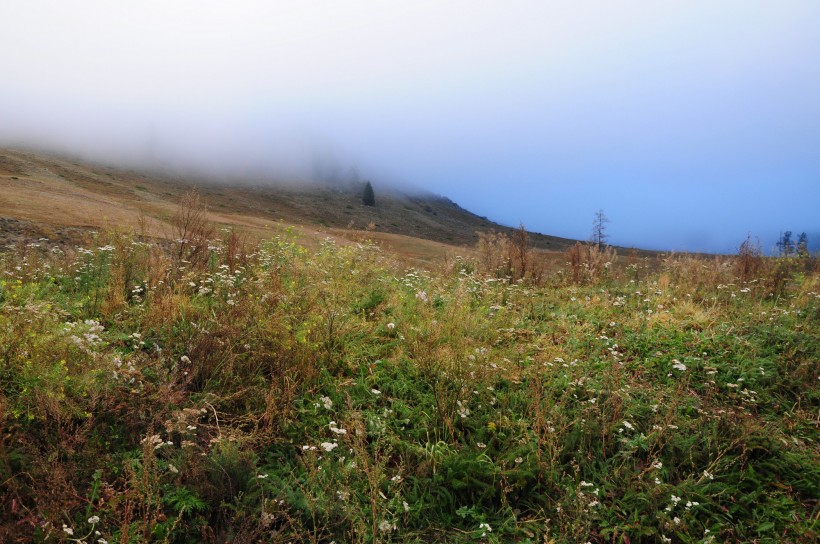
(288, 396)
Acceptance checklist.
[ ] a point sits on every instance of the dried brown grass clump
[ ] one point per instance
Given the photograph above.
(588, 262)
(504, 256)
(192, 230)
(692, 272)
(749, 262)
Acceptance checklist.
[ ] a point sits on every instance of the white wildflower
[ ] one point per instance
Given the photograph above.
(675, 499)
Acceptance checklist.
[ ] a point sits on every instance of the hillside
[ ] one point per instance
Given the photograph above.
(44, 195)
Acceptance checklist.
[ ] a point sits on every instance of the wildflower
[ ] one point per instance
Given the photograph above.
(519, 460)
(102, 541)
(329, 446)
(385, 526)
(481, 445)
(391, 326)
(629, 426)
(326, 402)
(262, 476)
(68, 530)
(171, 468)
(336, 430)
(678, 365)
(675, 499)
(376, 392)
(93, 520)
(485, 527)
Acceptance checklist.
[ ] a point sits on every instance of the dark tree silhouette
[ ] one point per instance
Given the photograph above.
(785, 244)
(803, 245)
(368, 197)
(599, 235)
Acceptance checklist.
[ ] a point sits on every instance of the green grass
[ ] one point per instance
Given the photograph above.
(288, 395)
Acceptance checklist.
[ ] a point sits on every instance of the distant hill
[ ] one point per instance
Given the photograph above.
(60, 197)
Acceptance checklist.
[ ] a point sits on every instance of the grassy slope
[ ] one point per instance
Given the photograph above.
(52, 196)
(330, 394)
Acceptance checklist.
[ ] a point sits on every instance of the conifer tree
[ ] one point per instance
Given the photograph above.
(368, 197)
(803, 245)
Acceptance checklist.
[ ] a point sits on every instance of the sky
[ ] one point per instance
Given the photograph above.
(692, 124)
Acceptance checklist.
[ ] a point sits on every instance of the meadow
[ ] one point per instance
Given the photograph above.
(212, 390)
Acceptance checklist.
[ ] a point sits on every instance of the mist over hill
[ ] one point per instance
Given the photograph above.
(67, 192)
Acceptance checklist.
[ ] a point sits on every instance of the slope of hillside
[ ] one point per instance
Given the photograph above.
(51, 196)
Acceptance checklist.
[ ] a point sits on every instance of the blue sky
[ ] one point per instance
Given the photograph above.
(689, 123)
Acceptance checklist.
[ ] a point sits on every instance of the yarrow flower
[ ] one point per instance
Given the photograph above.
(335, 429)
(678, 365)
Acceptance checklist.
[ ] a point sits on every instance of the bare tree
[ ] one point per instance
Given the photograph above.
(599, 235)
